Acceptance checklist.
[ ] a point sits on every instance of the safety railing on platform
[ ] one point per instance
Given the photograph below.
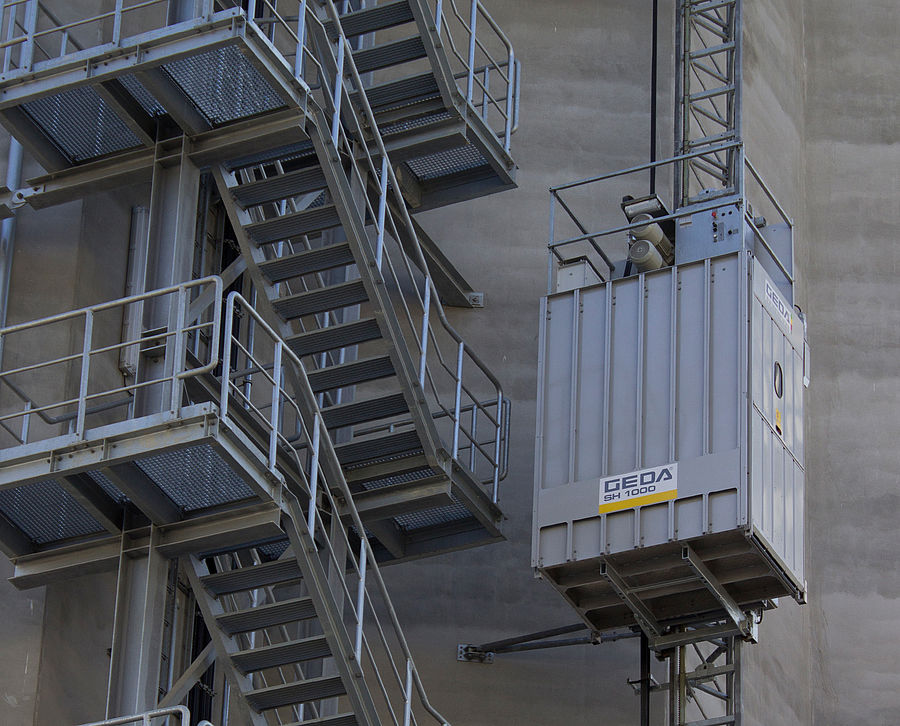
(283, 403)
(483, 60)
(84, 383)
(578, 234)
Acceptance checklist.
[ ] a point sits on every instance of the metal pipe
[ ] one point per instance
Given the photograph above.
(497, 645)
(470, 78)
(645, 665)
(654, 74)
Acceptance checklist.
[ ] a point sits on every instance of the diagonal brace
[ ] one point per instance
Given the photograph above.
(641, 612)
(715, 587)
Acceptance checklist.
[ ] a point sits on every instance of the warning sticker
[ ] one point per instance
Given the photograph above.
(637, 488)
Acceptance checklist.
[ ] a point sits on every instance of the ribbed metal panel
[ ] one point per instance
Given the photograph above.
(195, 478)
(223, 85)
(81, 124)
(46, 512)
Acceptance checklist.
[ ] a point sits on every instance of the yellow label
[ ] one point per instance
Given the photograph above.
(778, 420)
(638, 501)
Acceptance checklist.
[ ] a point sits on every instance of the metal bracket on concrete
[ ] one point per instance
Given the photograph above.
(473, 654)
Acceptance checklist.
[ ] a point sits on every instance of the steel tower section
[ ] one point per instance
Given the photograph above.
(708, 99)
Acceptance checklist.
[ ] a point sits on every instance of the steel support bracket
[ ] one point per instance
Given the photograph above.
(734, 611)
(473, 654)
(642, 613)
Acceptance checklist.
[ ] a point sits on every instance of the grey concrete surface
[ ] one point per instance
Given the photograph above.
(821, 123)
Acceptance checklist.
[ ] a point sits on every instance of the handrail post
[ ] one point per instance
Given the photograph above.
(510, 90)
(276, 403)
(438, 15)
(360, 598)
(301, 39)
(338, 92)
(26, 422)
(461, 349)
(382, 208)
(424, 348)
(495, 494)
(226, 357)
(474, 434)
(178, 349)
(407, 693)
(26, 59)
(313, 480)
(85, 372)
(470, 78)
(117, 23)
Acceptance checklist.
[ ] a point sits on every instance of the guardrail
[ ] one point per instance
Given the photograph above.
(68, 393)
(480, 59)
(152, 718)
(591, 242)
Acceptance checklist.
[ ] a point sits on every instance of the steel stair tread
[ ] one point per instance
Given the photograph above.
(283, 186)
(389, 54)
(312, 689)
(347, 414)
(286, 226)
(266, 616)
(342, 719)
(336, 336)
(403, 92)
(321, 300)
(369, 20)
(398, 444)
(272, 656)
(248, 578)
(307, 262)
(348, 374)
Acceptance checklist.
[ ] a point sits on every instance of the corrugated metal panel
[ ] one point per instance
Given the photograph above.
(654, 370)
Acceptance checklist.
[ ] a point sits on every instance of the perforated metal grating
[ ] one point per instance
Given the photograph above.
(403, 478)
(146, 99)
(223, 85)
(112, 491)
(444, 163)
(81, 124)
(415, 123)
(46, 512)
(195, 478)
(433, 517)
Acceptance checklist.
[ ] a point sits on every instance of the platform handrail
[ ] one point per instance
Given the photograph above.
(146, 719)
(90, 399)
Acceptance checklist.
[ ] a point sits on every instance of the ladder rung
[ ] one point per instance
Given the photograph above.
(282, 186)
(287, 694)
(280, 654)
(307, 262)
(349, 374)
(379, 17)
(347, 414)
(321, 300)
(403, 443)
(267, 616)
(287, 226)
(389, 54)
(336, 336)
(248, 578)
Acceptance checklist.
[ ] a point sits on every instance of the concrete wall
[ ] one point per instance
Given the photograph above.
(821, 124)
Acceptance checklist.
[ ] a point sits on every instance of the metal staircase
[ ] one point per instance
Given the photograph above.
(327, 238)
(302, 623)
